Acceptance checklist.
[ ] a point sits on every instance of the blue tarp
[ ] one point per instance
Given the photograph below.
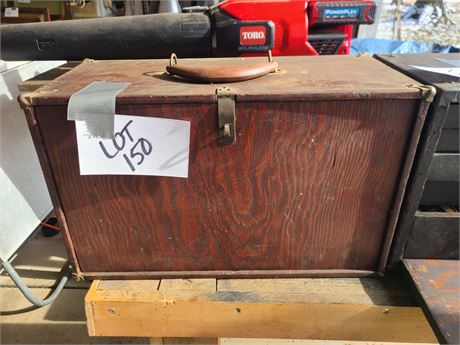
(382, 46)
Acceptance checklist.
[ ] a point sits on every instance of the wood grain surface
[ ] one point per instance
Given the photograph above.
(307, 185)
(298, 78)
(258, 309)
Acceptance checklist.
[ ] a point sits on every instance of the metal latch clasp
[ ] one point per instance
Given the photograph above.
(226, 115)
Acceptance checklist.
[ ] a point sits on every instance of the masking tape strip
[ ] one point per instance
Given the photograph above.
(95, 105)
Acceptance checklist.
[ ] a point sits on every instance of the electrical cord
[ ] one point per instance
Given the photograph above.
(26, 291)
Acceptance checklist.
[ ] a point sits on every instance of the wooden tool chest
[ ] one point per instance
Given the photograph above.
(312, 185)
(428, 227)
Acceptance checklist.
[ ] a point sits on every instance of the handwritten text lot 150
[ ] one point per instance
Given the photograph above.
(140, 146)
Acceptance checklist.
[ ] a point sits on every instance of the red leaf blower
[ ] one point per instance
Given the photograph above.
(230, 28)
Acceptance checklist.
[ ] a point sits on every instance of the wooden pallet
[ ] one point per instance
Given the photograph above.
(330, 309)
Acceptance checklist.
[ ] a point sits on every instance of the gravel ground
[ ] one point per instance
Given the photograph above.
(428, 28)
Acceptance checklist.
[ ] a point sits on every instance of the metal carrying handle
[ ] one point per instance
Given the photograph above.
(221, 74)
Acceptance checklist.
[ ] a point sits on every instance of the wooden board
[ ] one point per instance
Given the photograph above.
(44, 78)
(437, 283)
(22, 18)
(249, 341)
(453, 117)
(448, 142)
(435, 235)
(265, 308)
(299, 78)
(445, 167)
(370, 291)
(440, 193)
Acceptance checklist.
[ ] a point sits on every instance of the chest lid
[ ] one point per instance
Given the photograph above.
(298, 78)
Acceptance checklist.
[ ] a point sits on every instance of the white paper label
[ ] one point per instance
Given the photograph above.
(11, 12)
(141, 146)
(452, 71)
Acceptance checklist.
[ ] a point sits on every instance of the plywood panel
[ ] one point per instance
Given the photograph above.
(307, 185)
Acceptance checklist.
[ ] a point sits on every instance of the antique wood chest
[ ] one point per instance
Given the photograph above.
(312, 185)
(428, 227)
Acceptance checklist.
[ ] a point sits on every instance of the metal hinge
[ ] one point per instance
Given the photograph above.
(226, 115)
(428, 91)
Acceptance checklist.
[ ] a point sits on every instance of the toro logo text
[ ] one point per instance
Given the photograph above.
(253, 35)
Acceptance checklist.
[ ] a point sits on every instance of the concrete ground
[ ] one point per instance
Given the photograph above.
(62, 322)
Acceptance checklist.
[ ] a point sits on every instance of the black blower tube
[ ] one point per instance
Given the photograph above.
(135, 37)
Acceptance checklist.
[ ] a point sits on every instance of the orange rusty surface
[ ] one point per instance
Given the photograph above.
(438, 284)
